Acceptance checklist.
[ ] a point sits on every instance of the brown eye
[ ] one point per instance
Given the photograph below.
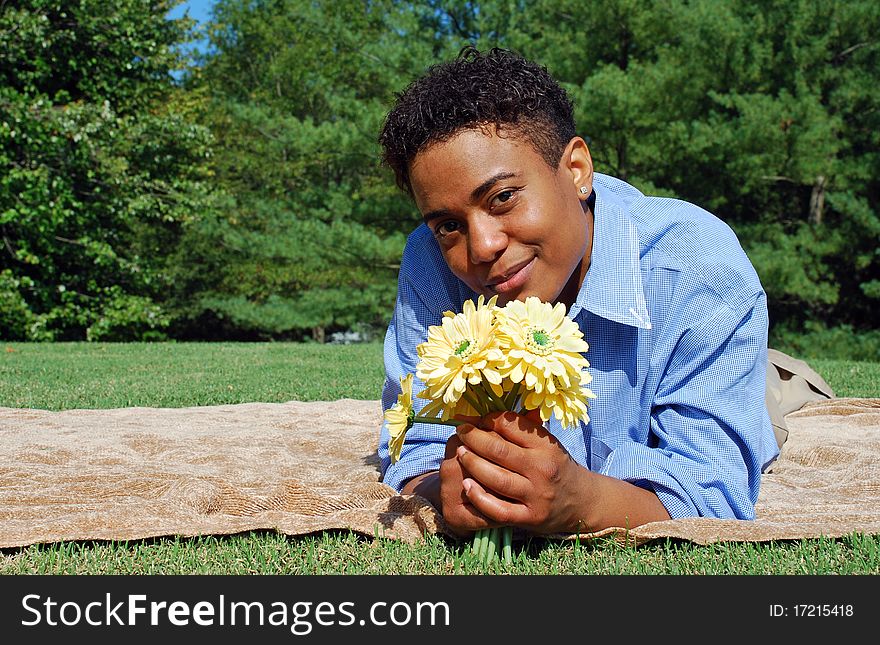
(446, 228)
(504, 197)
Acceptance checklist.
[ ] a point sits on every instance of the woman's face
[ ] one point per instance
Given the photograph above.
(507, 223)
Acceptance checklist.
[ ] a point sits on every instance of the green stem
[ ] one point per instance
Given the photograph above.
(475, 545)
(512, 396)
(480, 406)
(437, 420)
(507, 544)
(492, 546)
(498, 403)
(484, 544)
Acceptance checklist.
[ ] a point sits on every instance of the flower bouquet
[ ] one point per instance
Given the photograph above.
(523, 356)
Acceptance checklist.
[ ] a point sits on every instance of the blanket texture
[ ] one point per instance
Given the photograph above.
(298, 468)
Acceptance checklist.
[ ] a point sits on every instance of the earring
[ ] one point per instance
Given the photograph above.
(583, 190)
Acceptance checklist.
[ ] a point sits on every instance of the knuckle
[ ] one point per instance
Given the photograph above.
(538, 516)
(505, 516)
(499, 450)
(551, 471)
(449, 470)
(504, 483)
(452, 445)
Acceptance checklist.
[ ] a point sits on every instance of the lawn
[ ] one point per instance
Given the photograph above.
(98, 375)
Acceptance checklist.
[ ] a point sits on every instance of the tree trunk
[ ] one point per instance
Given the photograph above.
(318, 334)
(817, 201)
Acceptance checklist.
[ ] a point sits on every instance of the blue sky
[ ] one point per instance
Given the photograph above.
(198, 9)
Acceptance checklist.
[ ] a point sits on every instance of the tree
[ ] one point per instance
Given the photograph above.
(311, 240)
(248, 201)
(100, 171)
(765, 113)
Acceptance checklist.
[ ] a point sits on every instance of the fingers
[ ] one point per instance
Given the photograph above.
(523, 430)
(466, 419)
(535, 416)
(501, 511)
(501, 437)
(502, 481)
(485, 472)
(460, 515)
(490, 446)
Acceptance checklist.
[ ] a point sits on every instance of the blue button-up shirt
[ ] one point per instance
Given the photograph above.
(676, 321)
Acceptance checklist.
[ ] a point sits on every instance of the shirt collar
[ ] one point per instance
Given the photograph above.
(612, 288)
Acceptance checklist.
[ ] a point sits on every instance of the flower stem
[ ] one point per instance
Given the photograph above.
(476, 403)
(497, 402)
(492, 546)
(512, 396)
(484, 544)
(437, 420)
(475, 545)
(507, 544)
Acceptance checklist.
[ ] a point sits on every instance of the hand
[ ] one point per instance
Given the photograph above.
(460, 515)
(445, 491)
(506, 469)
(509, 470)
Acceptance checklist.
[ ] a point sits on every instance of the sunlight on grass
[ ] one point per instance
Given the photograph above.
(107, 375)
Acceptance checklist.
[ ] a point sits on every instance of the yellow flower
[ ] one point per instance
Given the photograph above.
(442, 411)
(399, 417)
(543, 343)
(463, 350)
(568, 404)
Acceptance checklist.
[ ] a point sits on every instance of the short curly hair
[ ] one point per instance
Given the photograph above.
(497, 87)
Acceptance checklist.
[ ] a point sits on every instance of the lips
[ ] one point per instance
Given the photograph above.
(512, 279)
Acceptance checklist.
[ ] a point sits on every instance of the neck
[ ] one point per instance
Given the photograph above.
(571, 289)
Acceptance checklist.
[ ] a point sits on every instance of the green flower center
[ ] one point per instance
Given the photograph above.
(539, 341)
(465, 349)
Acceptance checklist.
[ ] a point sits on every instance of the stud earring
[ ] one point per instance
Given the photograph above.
(583, 190)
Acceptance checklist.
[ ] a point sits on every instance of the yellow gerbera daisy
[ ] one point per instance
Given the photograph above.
(471, 404)
(400, 417)
(542, 343)
(568, 404)
(463, 350)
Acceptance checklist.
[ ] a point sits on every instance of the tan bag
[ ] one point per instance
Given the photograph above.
(790, 384)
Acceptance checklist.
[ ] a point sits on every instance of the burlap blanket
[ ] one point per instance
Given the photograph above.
(298, 468)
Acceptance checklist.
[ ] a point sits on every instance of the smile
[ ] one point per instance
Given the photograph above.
(512, 280)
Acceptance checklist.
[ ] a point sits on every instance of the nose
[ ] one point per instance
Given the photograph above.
(486, 239)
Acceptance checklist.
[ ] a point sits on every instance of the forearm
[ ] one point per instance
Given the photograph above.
(608, 502)
(427, 486)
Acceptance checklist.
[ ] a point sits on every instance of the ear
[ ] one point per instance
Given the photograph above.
(576, 167)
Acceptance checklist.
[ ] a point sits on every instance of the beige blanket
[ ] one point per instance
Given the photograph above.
(299, 468)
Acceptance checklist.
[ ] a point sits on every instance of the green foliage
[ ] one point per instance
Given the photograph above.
(311, 239)
(16, 320)
(764, 113)
(102, 172)
(814, 340)
(248, 201)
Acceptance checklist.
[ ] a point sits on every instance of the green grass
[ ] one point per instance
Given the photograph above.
(82, 375)
(109, 375)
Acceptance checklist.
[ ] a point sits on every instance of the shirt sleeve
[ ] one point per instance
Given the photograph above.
(706, 445)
